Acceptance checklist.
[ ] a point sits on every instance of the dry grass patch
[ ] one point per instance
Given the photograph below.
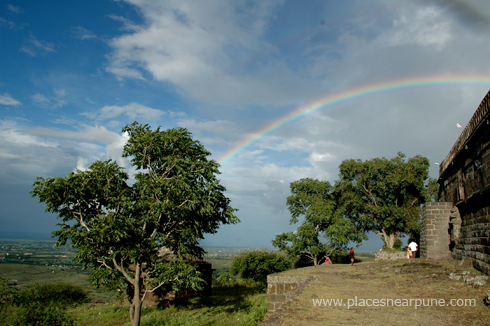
(407, 281)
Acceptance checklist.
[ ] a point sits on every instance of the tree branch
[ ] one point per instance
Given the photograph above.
(80, 219)
(123, 271)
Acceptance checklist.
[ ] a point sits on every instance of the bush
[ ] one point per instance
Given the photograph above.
(255, 265)
(40, 304)
(7, 291)
(225, 279)
(396, 246)
(57, 293)
(35, 313)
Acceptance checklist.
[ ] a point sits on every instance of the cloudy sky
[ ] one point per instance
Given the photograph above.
(73, 73)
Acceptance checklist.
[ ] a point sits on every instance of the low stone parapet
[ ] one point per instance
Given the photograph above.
(281, 289)
(390, 255)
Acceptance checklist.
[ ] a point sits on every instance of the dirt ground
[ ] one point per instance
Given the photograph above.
(417, 282)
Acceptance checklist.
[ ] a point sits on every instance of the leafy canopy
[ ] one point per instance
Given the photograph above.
(323, 229)
(385, 196)
(138, 235)
(257, 264)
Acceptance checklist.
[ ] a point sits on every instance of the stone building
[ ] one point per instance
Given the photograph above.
(459, 224)
(164, 296)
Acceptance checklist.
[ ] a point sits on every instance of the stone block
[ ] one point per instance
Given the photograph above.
(271, 306)
(271, 288)
(276, 298)
(290, 287)
(280, 288)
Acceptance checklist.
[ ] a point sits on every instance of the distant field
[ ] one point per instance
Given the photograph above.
(26, 261)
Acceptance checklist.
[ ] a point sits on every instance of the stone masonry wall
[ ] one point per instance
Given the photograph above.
(390, 255)
(474, 241)
(464, 179)
(434, 236)
(281, 289)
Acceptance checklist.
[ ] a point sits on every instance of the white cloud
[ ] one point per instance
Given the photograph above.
(207, 50)
(131, 110)
(27, 152)
(12, 8)
(217, 126)
(83, 33)
(8, 23)
(91, 134)
(276, 143)
(6, 156)
(83, 163)
(264, 184)
(52, 102)
(6, 99)
(33, 46)
(40, 98)
(321, 157)
(59, 92)
(427, 26)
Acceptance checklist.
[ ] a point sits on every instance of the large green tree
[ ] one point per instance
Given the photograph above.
(385, 196)
(323, 228)
(138, 235)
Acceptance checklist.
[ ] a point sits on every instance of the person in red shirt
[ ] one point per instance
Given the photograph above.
(351, 256)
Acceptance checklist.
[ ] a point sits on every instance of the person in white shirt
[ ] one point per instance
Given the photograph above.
(413, 248)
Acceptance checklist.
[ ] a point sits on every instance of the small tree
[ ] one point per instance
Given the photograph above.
(385, 196)
(257, 264)
(138, 236)
(323, 229)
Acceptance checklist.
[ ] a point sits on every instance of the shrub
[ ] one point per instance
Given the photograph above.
(35, 313)
(40, 304)
(56, 293)
(225, 279)
(255, 265)
(7, 291)
(396, 246)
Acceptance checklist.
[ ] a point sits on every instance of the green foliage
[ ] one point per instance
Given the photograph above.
(235, 305)
(396, 246)
(257, 264)
(7, 291)
(225, 279)
(59, 294)
(385, 196)
(432, 190)
(35, 313)
(120, 229)
(323, 230)
(41, 304)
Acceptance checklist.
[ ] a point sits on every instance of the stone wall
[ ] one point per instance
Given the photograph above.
(165, 297)
(281, 289)
(474, 240)
(434, 236)
(390, 255)
(464, 179)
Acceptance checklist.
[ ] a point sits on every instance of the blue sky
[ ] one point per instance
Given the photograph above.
(73, 73)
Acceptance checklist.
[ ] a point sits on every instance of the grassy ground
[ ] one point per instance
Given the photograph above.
(237, 305)
(415, 279)
(24, 274)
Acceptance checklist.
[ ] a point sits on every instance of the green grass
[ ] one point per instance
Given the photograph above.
(100, 314)
(235, 305)
(24, 274)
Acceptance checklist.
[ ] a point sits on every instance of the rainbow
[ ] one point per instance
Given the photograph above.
(350, 95)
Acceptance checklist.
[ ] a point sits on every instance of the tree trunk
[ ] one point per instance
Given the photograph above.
(135, 308)
(390, 239)
(315, 260)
